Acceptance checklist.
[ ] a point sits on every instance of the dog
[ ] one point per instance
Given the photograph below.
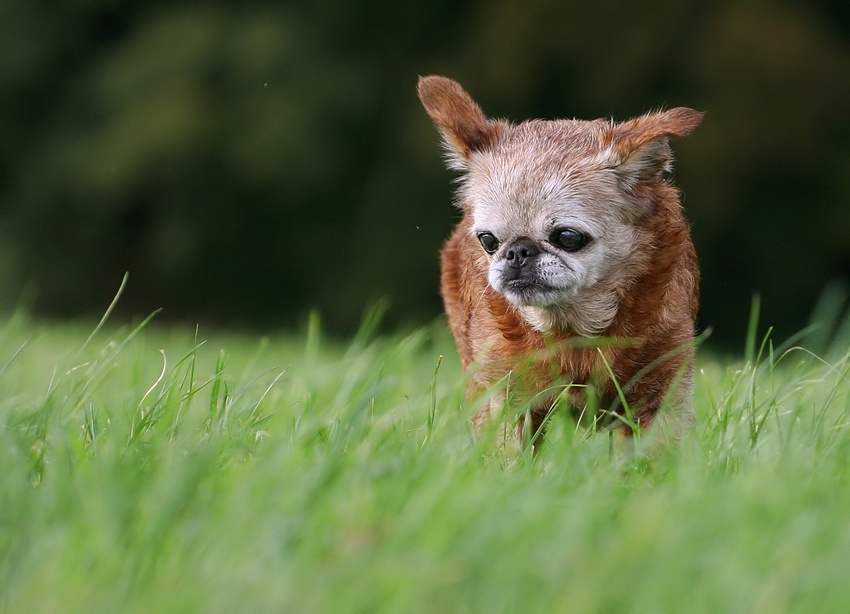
(572, 275)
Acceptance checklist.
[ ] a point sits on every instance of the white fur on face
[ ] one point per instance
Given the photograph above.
(524, 190)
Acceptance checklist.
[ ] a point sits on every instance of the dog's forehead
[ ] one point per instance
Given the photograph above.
(539, 169)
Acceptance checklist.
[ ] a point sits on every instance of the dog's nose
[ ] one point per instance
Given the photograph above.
(521, 252)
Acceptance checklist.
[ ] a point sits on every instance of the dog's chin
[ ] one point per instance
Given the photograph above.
(525, 293)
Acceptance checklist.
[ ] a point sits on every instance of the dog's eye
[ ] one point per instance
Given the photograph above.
(489, 242)
(568, 239)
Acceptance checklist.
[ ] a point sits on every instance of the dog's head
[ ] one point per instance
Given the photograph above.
(556, 205)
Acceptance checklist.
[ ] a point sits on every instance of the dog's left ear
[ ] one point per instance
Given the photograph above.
(639, 148)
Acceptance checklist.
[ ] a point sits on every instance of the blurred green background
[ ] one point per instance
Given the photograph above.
(248, 161)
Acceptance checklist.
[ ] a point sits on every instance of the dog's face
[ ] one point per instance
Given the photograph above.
(556, 206)
(550, 216)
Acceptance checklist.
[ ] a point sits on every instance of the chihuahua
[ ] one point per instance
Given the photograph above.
(571, 275)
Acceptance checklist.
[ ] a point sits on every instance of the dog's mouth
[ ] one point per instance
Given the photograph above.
(530, 292)
(522, 285)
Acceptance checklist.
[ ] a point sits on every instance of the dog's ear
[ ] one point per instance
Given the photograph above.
(639, 149)
(461, 121)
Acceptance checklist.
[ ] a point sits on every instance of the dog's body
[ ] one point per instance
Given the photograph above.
(573, 261)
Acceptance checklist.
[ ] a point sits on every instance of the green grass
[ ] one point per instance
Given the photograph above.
(174, 470)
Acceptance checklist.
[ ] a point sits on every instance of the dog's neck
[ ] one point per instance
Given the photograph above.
(590, 316)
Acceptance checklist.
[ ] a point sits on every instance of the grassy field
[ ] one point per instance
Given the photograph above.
(153, 469)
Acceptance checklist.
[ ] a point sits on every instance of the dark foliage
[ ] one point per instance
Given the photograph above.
(248, 161)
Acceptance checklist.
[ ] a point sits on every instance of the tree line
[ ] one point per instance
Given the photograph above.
(247, 162)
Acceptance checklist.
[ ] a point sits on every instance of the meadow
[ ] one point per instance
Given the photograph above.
(155, 468)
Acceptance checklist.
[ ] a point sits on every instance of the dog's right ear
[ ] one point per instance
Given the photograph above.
(461, 121)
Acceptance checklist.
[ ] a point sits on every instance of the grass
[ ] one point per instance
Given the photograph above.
(147, 469)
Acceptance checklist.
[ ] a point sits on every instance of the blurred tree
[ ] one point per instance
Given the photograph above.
(247, 162)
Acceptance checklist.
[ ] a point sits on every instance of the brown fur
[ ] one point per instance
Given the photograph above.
(648, 343)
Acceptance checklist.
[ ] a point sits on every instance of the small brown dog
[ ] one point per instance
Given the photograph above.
(572, 273)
